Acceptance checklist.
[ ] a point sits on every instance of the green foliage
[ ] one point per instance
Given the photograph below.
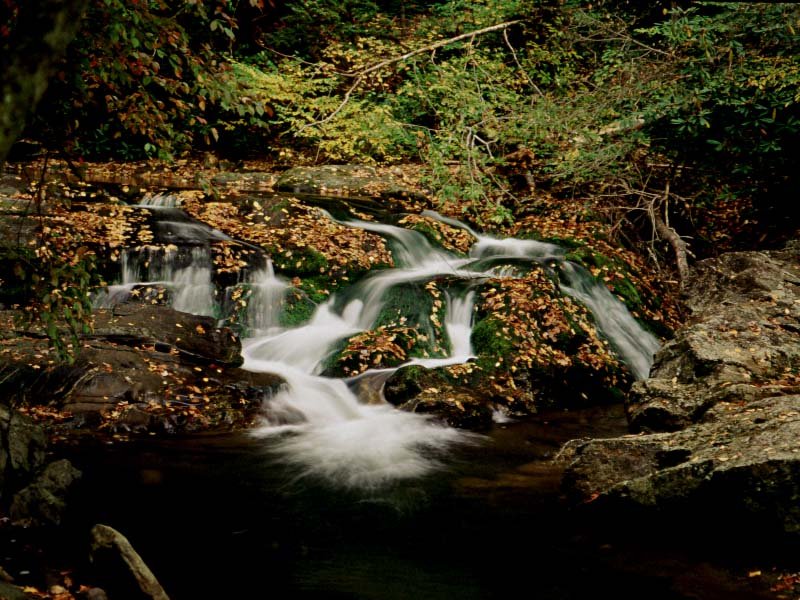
(594, 95)
(736, 91)
(141, 78)
(55, 281)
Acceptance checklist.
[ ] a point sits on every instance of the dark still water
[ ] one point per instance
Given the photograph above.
(217, 517)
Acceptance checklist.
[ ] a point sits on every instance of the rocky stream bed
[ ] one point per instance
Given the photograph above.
(714, 445)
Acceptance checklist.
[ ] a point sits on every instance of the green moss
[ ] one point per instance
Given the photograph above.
(303, 261)
(298, 309)
(490, 343)
(622, 287)
(318, 288)
(411, 305)
(434, 236)
(588, 258)
(625, 289)
(332, 365)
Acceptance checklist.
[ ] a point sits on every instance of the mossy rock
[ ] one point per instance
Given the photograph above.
(318, 288)
(490, 343)
(435, 392)
(298, 262)
(298, 308)
(380, 348)
(412, 305)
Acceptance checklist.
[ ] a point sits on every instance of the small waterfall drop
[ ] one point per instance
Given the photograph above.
(458, 325)
(184, 274)
(266, 299)
(192, 290)
(635, 346)
(160, 200)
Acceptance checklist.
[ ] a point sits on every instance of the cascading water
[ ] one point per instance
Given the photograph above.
(265, 300)
(184, 273)
(181, 264)
(317, 424)
(634, 345)
(332, 434)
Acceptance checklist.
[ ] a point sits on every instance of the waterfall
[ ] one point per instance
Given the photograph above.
(458, 326)
(634, 345)
(192, 290)
(316, 424)
(186, 275)
(160, 200)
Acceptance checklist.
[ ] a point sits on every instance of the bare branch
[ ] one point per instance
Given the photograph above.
(360, 75)
(668, 233)
(429, 48)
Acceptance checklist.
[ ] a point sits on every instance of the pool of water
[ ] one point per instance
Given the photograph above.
(217, 516)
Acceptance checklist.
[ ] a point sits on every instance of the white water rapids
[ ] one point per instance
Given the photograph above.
(316, 424)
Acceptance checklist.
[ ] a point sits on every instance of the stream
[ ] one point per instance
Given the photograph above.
(318, 424)
(332, 497)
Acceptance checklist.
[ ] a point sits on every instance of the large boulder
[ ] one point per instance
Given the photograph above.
(144, 368)
(195, 338)
(740, 464)
(741, 343)
(44, 502)
(721, 410)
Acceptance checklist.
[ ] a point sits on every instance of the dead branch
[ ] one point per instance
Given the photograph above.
(668, 233)
(430, 47)
(360, 75)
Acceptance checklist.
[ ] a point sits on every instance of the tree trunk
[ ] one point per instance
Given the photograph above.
(39, 39)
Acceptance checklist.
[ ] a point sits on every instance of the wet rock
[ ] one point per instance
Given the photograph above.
(195, 338)
(22, 446)
(144, 369)
(96, 593)
(427, 391)
(44, 501)
(455, 407)
(117, 561)
(740, 464)
(723, 405)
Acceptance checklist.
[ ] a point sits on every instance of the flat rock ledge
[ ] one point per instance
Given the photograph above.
(144, 368)
(719, 418)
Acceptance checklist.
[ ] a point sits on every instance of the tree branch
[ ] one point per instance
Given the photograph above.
(360, 75)
(679, 247)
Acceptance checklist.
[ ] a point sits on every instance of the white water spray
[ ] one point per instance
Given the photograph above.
(265, 301)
